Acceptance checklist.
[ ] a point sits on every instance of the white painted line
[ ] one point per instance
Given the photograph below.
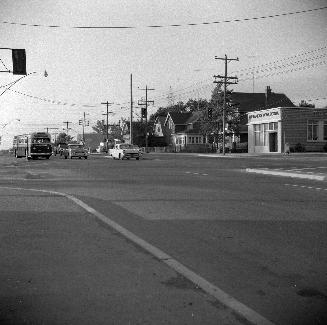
(249, 314)
(284, 173)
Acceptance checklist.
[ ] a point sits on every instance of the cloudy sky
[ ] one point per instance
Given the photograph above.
(169, 46)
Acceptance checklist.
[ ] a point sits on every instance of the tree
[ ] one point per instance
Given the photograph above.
(214, 125)
(303, 103)
(63, 138)
(100, 127)
(114, 130)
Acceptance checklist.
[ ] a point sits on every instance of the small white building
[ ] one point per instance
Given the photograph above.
(282, 128)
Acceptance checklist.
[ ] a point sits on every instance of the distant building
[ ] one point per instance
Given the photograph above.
(182, 131)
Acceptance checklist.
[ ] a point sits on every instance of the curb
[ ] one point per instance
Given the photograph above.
(286, 174)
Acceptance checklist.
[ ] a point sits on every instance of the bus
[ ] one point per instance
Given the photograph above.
(33, 145)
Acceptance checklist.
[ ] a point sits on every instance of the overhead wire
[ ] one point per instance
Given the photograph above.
(298, 65)
(169, 25)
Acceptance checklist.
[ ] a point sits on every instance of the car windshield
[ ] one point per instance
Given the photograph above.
(76, 146)
(128, 146)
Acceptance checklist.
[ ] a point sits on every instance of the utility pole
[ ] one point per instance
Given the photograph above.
(145, 113)
(67, 124)
(83, 122)
(54, 133)
(107, 104)
(131, 118)
(225, 80)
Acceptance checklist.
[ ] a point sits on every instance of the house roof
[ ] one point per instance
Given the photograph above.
(179, 118)
(161, 119)
(248, 102)
(193, 118)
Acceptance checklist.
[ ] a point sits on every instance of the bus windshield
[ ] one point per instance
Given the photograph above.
(41, 140)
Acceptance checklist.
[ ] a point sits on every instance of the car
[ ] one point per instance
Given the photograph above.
(125, 150)
(75, 150)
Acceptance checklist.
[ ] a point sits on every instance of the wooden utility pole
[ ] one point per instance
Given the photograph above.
(107, 104)
(145, 112)
(84, 123)
(225, 80)
(131, 119)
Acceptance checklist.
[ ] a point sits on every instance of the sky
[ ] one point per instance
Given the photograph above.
(91, 65)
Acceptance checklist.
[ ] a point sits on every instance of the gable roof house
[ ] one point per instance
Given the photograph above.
(250, 102)
(182, 131)
(158, 138)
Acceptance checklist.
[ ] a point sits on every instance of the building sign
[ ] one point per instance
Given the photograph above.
(269, 115)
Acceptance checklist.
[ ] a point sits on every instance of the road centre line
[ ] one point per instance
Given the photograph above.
(307, 187)
(202, 174)
(249, 314)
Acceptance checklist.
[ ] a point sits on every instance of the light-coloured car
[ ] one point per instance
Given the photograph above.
(125, 151)
(75, 150)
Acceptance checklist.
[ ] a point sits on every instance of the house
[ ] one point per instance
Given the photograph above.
(158, 138)
(249, 102)
(182, 131)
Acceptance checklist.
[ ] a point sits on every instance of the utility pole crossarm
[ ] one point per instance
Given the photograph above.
(228, 59)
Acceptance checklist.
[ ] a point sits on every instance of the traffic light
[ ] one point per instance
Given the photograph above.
(209, 113)
(144, 112)
(80, 122)
(19, 61)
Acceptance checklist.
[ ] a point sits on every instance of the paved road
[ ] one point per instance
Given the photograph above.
(259, 238)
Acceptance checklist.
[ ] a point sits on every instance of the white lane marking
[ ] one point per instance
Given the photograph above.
(307, 187)
(202, 174)
(285, 173)
(249, 314)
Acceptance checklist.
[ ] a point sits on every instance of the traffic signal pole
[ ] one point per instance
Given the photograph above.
(146, 113)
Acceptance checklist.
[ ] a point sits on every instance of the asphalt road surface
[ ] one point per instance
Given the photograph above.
(261, 239)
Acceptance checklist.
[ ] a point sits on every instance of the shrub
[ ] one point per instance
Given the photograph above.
(299, 148)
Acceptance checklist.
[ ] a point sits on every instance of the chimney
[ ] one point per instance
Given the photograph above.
(268, 93)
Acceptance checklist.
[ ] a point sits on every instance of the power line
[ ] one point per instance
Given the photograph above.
(282, 69)
(170, 25)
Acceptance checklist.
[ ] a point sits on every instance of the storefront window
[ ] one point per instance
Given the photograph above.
(265, 134)
(258, 136)
(312, 130)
